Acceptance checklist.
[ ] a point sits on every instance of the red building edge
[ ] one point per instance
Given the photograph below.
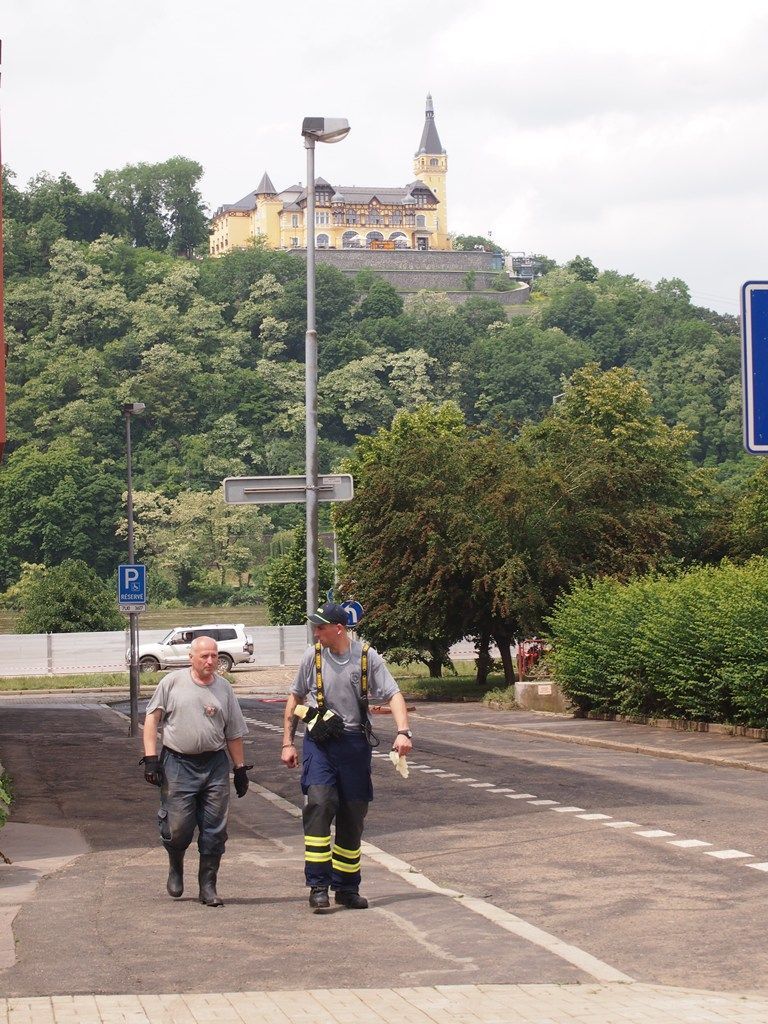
(3, 346)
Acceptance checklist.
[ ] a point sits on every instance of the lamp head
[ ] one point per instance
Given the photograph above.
(325, 129)
(133, 408)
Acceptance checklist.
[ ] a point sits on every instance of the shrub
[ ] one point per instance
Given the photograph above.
(690, 646)
(69, 598)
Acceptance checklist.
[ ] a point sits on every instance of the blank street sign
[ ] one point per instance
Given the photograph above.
(280, 490)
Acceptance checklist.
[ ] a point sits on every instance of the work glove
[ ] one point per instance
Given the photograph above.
(241, 779)
(153, 772)
(321, 727)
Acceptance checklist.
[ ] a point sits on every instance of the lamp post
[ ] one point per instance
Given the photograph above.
(132, 409)
(313, 129)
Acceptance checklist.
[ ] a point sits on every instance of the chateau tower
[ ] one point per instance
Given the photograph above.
(430, 165)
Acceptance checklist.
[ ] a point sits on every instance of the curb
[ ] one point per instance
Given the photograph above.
(634, 748)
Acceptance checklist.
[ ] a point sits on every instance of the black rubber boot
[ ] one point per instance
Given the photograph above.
(206, 876)
(175, 883)
(318, 898)
(351, 900)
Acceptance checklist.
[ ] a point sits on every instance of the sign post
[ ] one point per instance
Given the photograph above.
(754, 365)
(132, 598)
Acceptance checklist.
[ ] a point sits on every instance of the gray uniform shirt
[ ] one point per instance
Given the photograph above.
(197, 718)
(341, 682)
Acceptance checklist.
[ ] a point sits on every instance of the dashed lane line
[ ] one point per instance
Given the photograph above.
(553, 805)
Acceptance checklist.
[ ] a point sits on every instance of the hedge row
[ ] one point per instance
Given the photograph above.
(693, 646)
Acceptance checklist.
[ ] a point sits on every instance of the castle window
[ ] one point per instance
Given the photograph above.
(433, 163)
(421, 221)
(322, 241)
(410, 220)
(397, 217)
(338, 218)
(350, 240)
(374, 217)
(351, 216)
(295, 243)
(322, 218)
(294, 220)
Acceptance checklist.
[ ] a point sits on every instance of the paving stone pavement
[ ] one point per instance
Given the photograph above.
(441, 1004)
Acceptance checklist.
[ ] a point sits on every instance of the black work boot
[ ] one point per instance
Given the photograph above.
(175, 883)
(351, 900)
(206, 876)
(318, 898)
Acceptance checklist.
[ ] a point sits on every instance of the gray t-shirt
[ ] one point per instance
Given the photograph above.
(341, 682)
(197, 718)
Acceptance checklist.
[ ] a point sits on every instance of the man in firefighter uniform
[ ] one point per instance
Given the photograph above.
(331, 691)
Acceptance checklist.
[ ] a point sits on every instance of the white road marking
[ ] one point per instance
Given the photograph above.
(428, 771)
(654, 833)
(567, 810)
(482, 785)
(465, 780)
(521, 796)
(509, 922)
(758, 867)
(727, 854)
(594, 817)
(621, 824)
(542, 803)
(688, 844)
(501, 791)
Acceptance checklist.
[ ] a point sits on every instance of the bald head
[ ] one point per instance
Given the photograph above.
(203, 655)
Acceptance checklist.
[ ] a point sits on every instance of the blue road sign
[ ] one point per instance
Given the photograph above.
(131, 585)
(754, 365)
(354, 612)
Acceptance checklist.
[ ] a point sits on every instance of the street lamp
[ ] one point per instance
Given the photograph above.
(130, 409)
(313, 129)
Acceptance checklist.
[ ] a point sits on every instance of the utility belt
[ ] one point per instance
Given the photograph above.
(204, 757)
(321, 722)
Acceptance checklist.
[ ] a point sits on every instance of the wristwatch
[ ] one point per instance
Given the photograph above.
(405, 732)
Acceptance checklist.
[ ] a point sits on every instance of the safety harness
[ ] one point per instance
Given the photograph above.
(362, 700)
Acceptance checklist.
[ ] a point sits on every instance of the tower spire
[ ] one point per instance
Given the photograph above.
(430, 140)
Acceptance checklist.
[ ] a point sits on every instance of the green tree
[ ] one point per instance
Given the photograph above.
(286, 581)
(467, 243)
(405, 533)
(161, 202)
(68, 598)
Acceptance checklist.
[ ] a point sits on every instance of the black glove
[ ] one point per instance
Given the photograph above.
(241, 779)
(325, 726)
(153, 772)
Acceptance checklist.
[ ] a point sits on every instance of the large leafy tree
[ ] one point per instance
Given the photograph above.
(286, 581)
(405, 534)
(161, 202)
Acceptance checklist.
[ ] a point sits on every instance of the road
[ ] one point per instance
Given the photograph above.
(624, 863)
(638, 860)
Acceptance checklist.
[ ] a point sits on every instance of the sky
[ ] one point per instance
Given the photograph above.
(631, 134)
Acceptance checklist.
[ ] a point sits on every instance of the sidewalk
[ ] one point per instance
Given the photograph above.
(441, 1004)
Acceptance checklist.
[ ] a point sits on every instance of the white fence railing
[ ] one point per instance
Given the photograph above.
(64, 653)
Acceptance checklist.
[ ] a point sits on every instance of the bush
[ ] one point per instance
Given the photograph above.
(691, 646)
(69, 598)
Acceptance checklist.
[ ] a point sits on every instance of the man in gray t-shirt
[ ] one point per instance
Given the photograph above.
(336, 770)
(201, 721)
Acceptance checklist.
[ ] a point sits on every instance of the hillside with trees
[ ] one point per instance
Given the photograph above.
(109, 299)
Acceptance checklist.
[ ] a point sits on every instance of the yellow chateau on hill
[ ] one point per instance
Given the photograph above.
(346, 217)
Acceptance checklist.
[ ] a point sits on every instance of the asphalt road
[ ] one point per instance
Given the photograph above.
(545, 831)
(660, 912)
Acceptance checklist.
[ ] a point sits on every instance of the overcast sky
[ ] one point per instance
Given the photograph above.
(632, 134)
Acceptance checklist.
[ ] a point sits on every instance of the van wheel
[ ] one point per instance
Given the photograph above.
(148, 664)
(224, 664)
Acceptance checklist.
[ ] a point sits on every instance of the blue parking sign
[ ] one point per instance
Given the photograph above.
(131, 585)
(754, 365)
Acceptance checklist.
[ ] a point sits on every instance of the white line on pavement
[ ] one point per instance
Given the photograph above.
(727, 854)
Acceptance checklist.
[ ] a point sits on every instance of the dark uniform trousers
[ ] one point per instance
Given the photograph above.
(336, 782)
(194, 793)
